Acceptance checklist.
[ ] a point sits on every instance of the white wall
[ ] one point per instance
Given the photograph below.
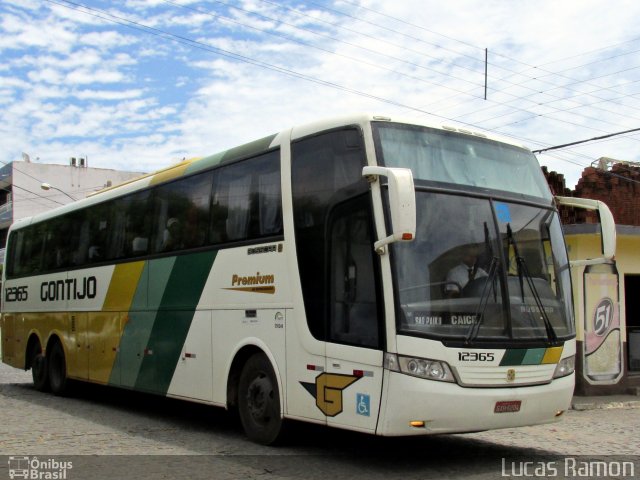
(29, 198)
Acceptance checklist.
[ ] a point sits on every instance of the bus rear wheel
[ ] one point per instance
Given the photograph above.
(259, 401)
(57, 369)
(39, 370)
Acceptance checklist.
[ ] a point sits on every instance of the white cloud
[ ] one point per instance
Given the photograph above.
(108, 94)
(72, 82)
(83, 76)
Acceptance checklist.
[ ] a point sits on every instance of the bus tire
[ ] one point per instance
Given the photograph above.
(39, 370)
(57, 369)
(259, 401)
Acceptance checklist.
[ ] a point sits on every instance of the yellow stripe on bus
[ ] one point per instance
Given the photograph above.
(122, 288)
(552, 355)
(172, 172)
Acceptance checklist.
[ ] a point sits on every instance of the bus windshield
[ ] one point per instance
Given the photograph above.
(456, 158)
(482, 270)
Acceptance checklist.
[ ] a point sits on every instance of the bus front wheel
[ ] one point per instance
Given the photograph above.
(57, 369)
(259, 401)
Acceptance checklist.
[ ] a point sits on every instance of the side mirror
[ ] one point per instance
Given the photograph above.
(402, 203)
(607, 227)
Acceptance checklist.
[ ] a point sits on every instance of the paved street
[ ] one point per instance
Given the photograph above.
(141, 436)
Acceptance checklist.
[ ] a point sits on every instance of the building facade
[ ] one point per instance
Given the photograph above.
(22, 194)
(606, 297)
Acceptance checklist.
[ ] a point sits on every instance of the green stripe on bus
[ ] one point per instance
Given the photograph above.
(135, 334)
(523, 356)
(513, 357)
(533, 356)
(173, 319)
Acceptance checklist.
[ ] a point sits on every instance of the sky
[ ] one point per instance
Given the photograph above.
(141, 84)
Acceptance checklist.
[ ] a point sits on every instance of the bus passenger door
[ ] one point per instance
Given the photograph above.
(355, 323)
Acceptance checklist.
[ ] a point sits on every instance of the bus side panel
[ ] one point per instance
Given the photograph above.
(193, 376)
(9, 340)
(235, 329)
(103, 332)
(73, 328)
(136, 329)
(248, 292)
(45, 326)
(153, 339)
(304, 372)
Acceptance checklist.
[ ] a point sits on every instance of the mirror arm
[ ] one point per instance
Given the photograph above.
(607, 227)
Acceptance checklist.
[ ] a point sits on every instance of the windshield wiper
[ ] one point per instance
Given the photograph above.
(523, 273)
(474, 329)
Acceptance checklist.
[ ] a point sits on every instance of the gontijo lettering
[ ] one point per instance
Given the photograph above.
(69, 289)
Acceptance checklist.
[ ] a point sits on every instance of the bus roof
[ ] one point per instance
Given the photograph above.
(189, 166)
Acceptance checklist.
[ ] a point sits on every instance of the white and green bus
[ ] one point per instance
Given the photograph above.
(365, 273)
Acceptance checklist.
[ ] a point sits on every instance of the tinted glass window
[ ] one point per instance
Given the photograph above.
(326, 170)
(354, 311)
(27, 251)
(246, 201)
(453, 157)
(246, 204)
(182, 213)
(128, 234)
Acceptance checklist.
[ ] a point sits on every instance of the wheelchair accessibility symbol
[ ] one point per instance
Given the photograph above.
(363, 404)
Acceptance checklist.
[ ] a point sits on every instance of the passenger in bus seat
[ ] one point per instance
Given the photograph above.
(172, 238)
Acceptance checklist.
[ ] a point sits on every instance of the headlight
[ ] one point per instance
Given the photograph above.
(565, 367)
(419, 367)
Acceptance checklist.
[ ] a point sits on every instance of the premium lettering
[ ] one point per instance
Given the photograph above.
(256, 279)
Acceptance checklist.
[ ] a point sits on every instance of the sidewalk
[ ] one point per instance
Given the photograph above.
(605, 402)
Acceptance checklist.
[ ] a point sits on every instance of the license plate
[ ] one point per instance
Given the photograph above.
(507, 407)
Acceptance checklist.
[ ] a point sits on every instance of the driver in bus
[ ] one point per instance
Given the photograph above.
(463, 273)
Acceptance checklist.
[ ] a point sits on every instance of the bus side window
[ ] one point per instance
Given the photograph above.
(182, 213)
(98, 223)
(131, 217)
(326, 169)
(26, 254)
(246, 202)
(353, 317)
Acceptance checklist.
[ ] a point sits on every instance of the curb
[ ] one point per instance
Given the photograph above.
(583, 405)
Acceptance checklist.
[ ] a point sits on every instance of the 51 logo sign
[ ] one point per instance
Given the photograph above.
(603, 317)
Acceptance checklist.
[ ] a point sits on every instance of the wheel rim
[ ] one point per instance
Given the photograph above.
(260, 397)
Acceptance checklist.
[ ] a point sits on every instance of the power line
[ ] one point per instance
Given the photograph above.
(243, 58)
(521, 84)
(228, 54)
(585, 141)
(326, 50)
(495, 104)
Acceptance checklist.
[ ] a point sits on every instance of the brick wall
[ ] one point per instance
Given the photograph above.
(619, 188)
